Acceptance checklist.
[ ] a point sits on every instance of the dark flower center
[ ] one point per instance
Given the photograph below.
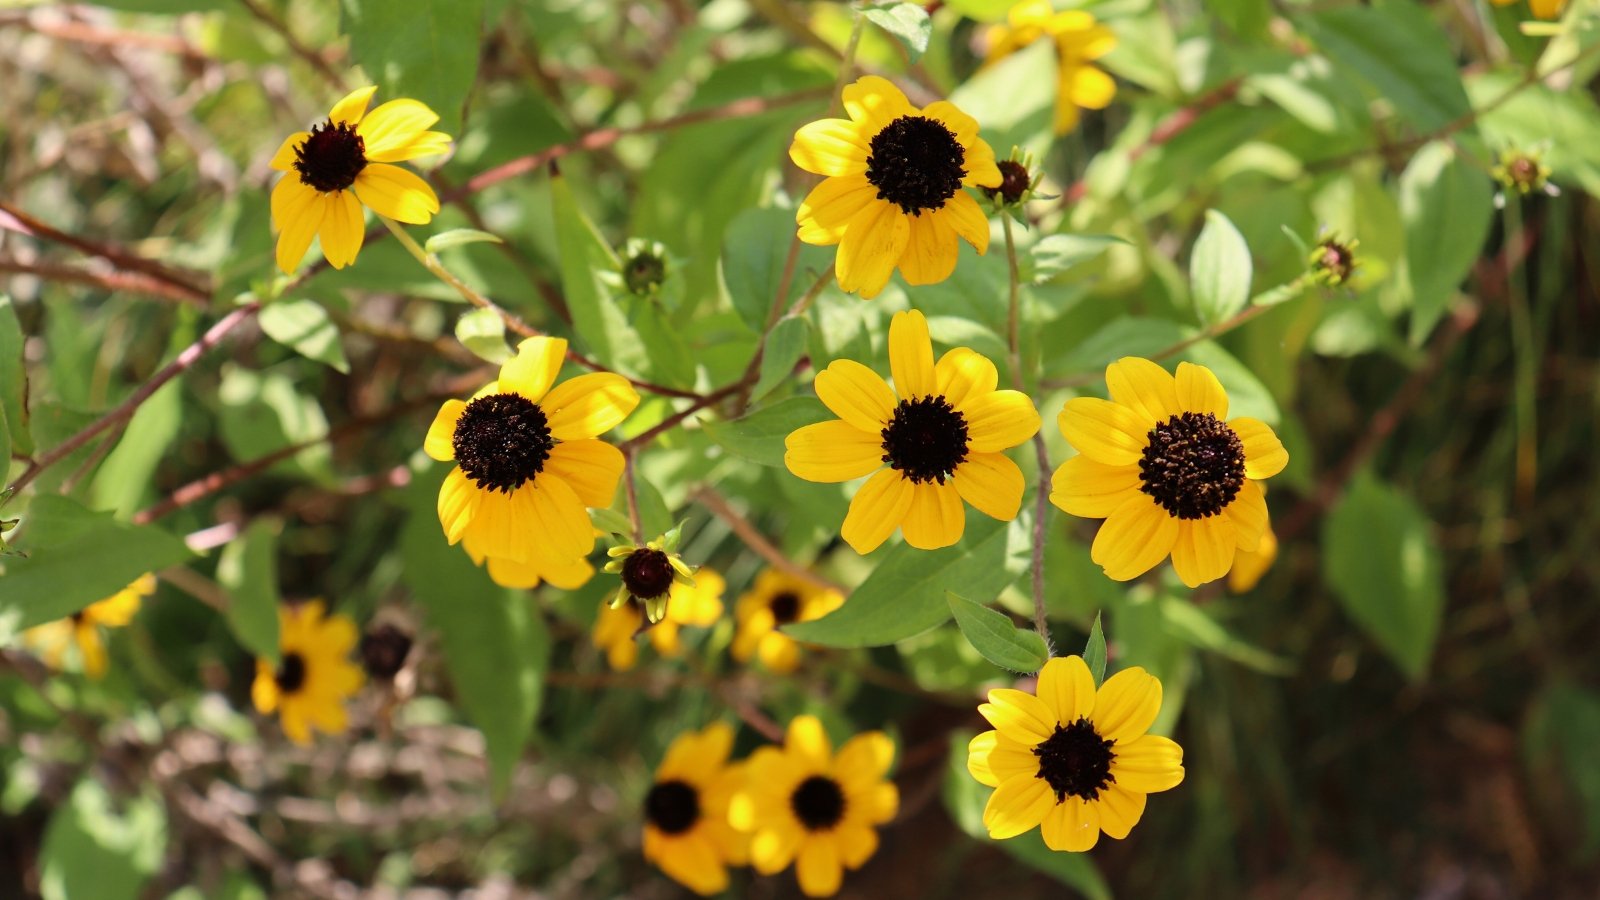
(672, 806)
(818, 803)
(916, 163)
(502, 441)
(291, 674)
(1014, 181)
(785, 607)
(1523, 170)
(384, 650)
(331, 158)
(1076, 760)
(926, 439)
(647, 574)
(644, 273)
(1193, 465)
(1336, 260)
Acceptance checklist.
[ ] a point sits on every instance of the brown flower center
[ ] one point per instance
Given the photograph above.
(1075, 760)
(502, 441)
(818, 803)
(926, 439)
(1193, 465)
(647, 574)
(332, 157)
(916, 163)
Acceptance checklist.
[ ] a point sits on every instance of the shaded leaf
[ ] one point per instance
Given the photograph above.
(483, 331)
(759, 436)
(1446, 204)
(248, 568)
(992, 633)
(1094, 651)
(908, 22)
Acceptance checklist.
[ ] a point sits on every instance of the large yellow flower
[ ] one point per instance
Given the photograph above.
(1072, 760)
(893, 193)
(527, 463)
(1543, 9)
(1079, 40)
(805, 805)
(1167, 469)
(776, 599)
(314, 675)
(343, 164)
(686, 829)
(698, 605)
(943, 438)
(83, 628)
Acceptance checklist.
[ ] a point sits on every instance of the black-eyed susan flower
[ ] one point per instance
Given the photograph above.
(649, 574)
(1250, 565)
(1167, 469)
(777, 599)
(1073, 761)
(341, 165)
(686, 831)
(1541, 9)
(1522, 171)
(82, 629)
(804, 804)
(528, 462)
(1079, 40)
(314, 675)
(893, 193)
(698, 605)
(943, 438)
(1333, 262)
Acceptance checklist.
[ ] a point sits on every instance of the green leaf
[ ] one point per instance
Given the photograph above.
(1190, 623)
(304, 327)
(1446, 204)
(993, 635)
(456, 237)
(1400, 54)
(1094, 652)
(908, 22)
(1379, 556)
(1016, 112)
(13, 378)
(1058, 253)
(1219, 270)
(753, 256)
(496, 648)
(424, 50)
(248, 568)
(785, 346)
(1563, 731)
(905, 593)
(601, 327)
(101, 848)
(77, 557)
(125, 477)
(759, 436)
(483, 331)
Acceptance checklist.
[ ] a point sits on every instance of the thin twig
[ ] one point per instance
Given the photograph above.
(15, 219)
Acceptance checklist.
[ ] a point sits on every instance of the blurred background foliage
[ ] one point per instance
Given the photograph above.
(1406, 705)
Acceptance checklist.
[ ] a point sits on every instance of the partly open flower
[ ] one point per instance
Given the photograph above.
(528, 462)
(343, 164)
(686, 829)
(943, 437)
(82, 629)
(1167, 469)
(803, 804)
(777, 599)
(1072, 760)
(698, 605)
(314, 675)
(1079, 41)
(893, 195)
(649, 574)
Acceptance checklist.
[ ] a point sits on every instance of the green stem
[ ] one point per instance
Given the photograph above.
(1041, 623)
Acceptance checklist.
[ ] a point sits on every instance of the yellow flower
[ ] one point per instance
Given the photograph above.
(651, 575)
(943, 438)
(1079, 40)
(341, 165)
(698, 605)
(1542, 9)
(1072, 760)
(893, 193)
(528, 463)
(1167, 469)
(686, 829)
(805, 805)
(314, 675)
(1249, 566)
(776, 599)
(83, 628)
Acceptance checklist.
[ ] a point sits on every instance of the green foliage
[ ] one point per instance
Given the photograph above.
(1563, 731)
(1094, 652)
(427, 50)
(1219, 270)
(759, 436)
(908, 22)
(483, 331)
(992, 634)
(98, 847)
(1444, 203)
(248, 568)
(1401, 56)
(305, 327)
(13, 379)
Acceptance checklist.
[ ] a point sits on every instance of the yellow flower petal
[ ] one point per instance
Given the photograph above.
(502, 524)
(1002, 759)
(911, 355)
(771, 850)
(946, 113)
(1019, 716)
(1204, 548)
(1200, 391)
(856, 845)
(864, 759)
(343, 229)
(999, 420)
(831, 205)
(1106, 432)
(1264, 455)
(1093, 490)
(1135, 538)
(440, 442)
(982, 170)
(968, 220)
(1148, 765)
(588, 405)
(264, 690)
(1249, 567)
(935, 518)
(93, 650)
(591, 468)
(1248, 512)
(992, 483)
(855, 394)
(1072, 825)
(1143, 387)
(561, 529)
(1016, 806)
(963, 374)
(871, 248)
(394, 124)
(1126, 705)
(818, 867)
(534, 368)
(1088, 87)
(396, 193)
(1120, 810)
(874, 102)
(830, 147)
(805, 738)
(876, 511)
(427, 143)
(931, 250)
(284, 159)
(1067, 687)
(353, 107)
(693, 862)
(1547, 9)
(978, 750)
(297, 210)
(1066, 112)
(458, 504)
(832, 451)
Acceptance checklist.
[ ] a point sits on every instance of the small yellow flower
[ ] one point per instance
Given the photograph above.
(686, 830)
(83, 628)
(527, 463)
(343, 164)
(893, 193)
(777, 599)
(650, 574)
(1073, 761)
(1541, 9)
(805, 805)
(1249, 566)
(1167, 469)
(1079, 41)
(698, 605)
(943, 437)
(314, 674)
